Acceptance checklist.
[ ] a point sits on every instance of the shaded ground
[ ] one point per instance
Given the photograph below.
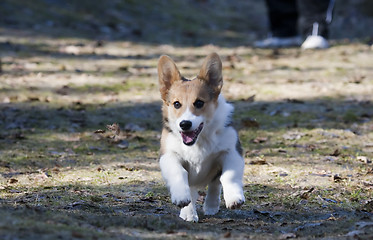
(304, 118)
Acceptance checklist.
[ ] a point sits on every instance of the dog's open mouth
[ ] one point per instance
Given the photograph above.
(189, 138)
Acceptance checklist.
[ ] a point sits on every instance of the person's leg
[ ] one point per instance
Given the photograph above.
(316, 15)
(283, 17)
(283, 21)
(315, 11)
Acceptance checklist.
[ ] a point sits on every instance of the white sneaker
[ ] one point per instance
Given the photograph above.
(279, 42)
(315, 42)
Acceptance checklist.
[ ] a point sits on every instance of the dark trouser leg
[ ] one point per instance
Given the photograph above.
(314, 11)
(283, 17)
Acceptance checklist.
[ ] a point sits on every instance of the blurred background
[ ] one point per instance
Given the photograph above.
(188, 22)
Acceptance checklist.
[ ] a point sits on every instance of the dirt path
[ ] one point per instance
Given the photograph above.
(305, 121)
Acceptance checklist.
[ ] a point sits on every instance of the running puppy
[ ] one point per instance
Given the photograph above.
(199, 147)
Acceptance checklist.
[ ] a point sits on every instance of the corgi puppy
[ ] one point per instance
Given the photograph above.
(199, 147)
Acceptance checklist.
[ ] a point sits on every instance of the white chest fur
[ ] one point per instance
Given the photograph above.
(203, 159)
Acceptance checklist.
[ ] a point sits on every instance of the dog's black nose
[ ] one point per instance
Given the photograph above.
(185, 125)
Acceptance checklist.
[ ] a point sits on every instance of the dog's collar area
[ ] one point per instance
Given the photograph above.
(190, 137)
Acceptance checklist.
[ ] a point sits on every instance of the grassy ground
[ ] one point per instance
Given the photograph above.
(304, 119)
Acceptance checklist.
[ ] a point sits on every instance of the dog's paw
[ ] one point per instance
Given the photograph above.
(180, 197)
(234, 202)
(181, 203)
(211, 206)
(188, 215)
(210, 210)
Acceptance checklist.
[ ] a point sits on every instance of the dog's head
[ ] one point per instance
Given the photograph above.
(189, 104)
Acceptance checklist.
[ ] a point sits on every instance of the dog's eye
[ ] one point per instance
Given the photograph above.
(177, 105)
(198, 103)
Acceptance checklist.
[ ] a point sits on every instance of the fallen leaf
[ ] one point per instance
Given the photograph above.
(33, 99)
(357, 79)
(128, 168)
(370, 171)
(337, 178)
(123, 68)
(99, 131)
(363, 159)
(336, 153)
(99, 43)
(234, 58)
(249, 99)
(306, 194)
(258, 161)
(260, 140)
(114, 128)
(310, 147)
(64, 90)
(12, 180)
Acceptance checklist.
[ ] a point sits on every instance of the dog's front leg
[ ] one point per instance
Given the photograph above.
(231, 179)
(189, 213)
(176, 178)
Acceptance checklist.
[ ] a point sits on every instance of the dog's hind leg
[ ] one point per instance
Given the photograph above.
(212, 201)
(189, 213)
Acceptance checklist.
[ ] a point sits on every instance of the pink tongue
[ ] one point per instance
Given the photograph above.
(188, 137)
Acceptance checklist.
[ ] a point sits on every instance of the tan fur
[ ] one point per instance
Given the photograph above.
(167, 75)
(210, 74)
(187, 92)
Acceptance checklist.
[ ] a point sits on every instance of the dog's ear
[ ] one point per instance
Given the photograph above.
(167, 75)
(211, 72)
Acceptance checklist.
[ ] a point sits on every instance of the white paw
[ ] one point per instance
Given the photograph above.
(181, 202)
(234, 201)
(188, 214)
(181, 196)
